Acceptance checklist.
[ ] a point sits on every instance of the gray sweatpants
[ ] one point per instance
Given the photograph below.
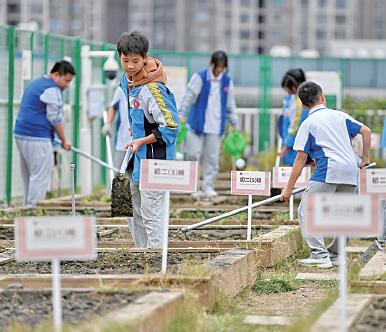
(207, 148)
(316, 243)
(36, 162)
(146, 226)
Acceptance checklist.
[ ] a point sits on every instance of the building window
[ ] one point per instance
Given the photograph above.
(340, 19)
(261, 3)
(13, 8)
(304, 3)
(245, 3)
(339, 34)
(260, 19)
(260, 35)
(340, 3)
(244, 18)
(321, 34)
(322, 3)
(244, 49)
(321, 19)
(244, 34)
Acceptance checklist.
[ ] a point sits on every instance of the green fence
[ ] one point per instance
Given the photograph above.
(258, 73)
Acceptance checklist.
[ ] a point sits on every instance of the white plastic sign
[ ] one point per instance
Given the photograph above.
(336, 214)
(373, 181)
(281, 176)
(251, 183)
(59, 237)
(168, 175)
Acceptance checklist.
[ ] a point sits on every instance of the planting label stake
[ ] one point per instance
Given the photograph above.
(55, 239)
(250, 183)
(167, 176)
(280, 177)
(342, 215)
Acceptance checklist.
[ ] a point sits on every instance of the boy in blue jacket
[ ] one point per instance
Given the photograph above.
(154, 124)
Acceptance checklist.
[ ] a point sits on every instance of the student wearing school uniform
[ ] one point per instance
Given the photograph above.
(119, 106)
(326, 137)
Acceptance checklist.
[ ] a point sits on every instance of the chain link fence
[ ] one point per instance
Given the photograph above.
(260, 75)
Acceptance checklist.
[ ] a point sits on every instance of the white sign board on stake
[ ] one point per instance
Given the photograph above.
(343, 215)
(55, 239)
(177, 80)
(59, 237)
(281, 175)
(168, 175)
(250, 183)
(280, 179)
(372, 181)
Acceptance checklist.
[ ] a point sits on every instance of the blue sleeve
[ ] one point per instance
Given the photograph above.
(353, 128)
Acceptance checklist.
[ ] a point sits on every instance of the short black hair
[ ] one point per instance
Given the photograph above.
(293, 78)
(218, 58)
(133, 42)
(63, 67)
(309, 93)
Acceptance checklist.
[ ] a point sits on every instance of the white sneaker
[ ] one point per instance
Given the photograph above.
(322, 263)
(197, 195)
(210, 193)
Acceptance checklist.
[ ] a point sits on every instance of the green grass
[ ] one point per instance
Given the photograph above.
(221, 317)
(276, 284)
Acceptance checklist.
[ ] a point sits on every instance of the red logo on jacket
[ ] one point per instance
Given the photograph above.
(226, 89)
(136, 103)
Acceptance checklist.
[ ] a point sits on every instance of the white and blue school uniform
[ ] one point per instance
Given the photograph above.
(326, 137)
(210, 103)
(122, 134)
(41, 108)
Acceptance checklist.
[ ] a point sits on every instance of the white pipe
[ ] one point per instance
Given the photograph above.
(85, 167)
(237, 211)
(109, 153)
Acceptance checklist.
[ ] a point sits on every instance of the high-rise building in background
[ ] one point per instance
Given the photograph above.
(238, 26)
(101, 20)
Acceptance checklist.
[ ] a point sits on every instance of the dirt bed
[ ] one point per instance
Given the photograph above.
(293, 303)
(109, 234)
(117, 262)
(6, 233)
(373, 318)
(30, 308)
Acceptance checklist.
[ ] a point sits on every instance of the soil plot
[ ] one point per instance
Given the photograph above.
(7, 233)
(30, 307)
(373, 318)
(108, 234)
(116, 262)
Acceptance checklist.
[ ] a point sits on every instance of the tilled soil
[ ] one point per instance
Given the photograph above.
(6, 233)
(116, 262)
(373, 319)
(121, 204)
(109, 234)
(30, 308)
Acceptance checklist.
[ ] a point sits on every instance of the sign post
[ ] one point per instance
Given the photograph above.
(55, 239)
(168, 175)
(342, 215)
(250, 183)
(281, 176)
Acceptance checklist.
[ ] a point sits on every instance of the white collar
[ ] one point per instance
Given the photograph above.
(316, 108)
